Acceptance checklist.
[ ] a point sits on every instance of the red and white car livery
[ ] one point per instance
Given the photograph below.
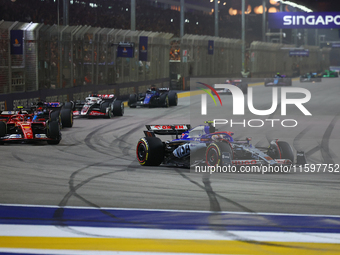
(103, 105)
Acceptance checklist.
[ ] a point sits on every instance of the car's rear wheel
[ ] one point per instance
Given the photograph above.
(214, 153)
(118, 108)
(55, 116)
(66, 115)
(132, 100)
(69, 105)
(53, 132)
(173, 98)
(150, 151)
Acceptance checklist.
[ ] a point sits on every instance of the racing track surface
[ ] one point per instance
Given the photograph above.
(95, 164)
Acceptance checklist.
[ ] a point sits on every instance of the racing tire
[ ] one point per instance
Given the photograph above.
(282, 151)
(164, 100)
(132, 101)
(69, 105)
(3, 130)
(118, 108)
(150, 151)
(66, 116)
(54, 133)
(103, 106)
(173, 98)
(213, 153)
(55, 116)
(286, 151)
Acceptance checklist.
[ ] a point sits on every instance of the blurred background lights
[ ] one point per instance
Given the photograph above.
(273, 10)
(274, 2)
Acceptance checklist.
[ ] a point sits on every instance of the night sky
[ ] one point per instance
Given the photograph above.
(321, 5)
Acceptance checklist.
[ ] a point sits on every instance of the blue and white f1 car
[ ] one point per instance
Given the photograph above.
(203, 145)
(154, 97)
(278, 80)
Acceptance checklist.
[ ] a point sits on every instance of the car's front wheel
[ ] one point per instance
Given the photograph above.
(214, 153)
(53, 132)
(118, 108)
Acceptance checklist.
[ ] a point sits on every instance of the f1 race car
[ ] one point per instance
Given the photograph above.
(310, 77)
(278, 80)
(203, 145)
(99, 106)
(330, 74)
(19, 126)
(61, 112)
(154, 97)
(238, 83)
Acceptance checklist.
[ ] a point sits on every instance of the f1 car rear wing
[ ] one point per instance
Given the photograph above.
(166, 129)
(103, 96)
(163, 89)
(21, 110)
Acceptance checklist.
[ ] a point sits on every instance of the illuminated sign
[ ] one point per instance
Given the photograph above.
(303, 20)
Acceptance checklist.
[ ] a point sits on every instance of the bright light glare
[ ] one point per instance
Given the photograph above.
(301, 7)
(273, 10)
(274, 2)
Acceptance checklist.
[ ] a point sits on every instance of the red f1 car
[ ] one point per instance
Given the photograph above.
(19, 126)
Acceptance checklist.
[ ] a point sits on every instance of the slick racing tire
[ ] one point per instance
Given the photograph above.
(150, 151)
(53, 132)
(69, 105)
(3, 130)
(282, 151)
(214, 152)
(66, 116)
(103, 106)
(173, 98)
(286, 151)
(118, 108)
(164, 100)
(132, 100)
(55, 116)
